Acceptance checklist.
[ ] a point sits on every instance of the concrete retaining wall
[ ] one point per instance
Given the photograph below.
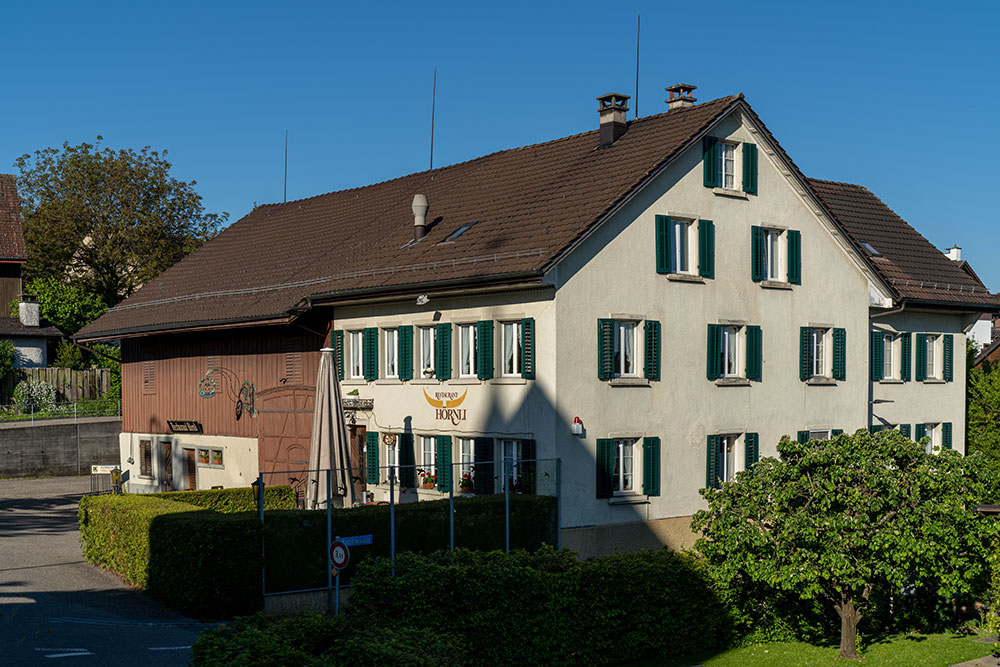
(58, 446)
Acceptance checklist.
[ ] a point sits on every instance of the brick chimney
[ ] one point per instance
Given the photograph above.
(954, 253)
(613, 110)
(680, 96)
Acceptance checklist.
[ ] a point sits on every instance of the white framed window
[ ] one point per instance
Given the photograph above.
(727, 165)
(391, 353)
(933, 433)
(466, 458)
(933, 370)
(428, 337)
(210, 458)
(820, 350)
(624, 350)
(623, 480)
(428, 454)
(391, 458)
(888, 356)
(730, 350)
(821, 434)
(774, 255)
(512, 456)
(728, 444)
(467, 350)
(357, 355)
(680, 235)
(511, 341)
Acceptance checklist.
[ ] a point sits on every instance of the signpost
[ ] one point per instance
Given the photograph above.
(340, 556)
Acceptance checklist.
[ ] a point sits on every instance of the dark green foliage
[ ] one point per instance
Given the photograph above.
(8, 352)
(68, 306)
(229, 501)
(490, 608)
(109, 355)
(68, 356)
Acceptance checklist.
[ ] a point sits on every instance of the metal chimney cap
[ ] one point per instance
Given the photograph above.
(420, 205)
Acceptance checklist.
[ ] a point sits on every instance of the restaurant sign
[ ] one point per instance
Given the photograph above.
(446, 405)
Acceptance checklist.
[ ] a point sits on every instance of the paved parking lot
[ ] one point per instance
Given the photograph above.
(55, 605)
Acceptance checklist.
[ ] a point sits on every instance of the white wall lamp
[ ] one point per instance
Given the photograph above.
(577, 427)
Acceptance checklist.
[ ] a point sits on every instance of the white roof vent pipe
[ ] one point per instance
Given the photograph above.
(419, 217)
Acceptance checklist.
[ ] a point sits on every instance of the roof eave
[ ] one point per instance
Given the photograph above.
(203, 325)
(467, 285)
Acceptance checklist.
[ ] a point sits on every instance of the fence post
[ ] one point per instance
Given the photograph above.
(392, 518)
(451, 505)
(558, 504)
(506, 505)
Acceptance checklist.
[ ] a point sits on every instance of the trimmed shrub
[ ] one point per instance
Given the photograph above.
(34, 396)
(230, 501)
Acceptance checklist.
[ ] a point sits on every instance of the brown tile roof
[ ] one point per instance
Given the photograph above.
(528, 204)
(11, 236)
(12, 327)
(909, 263)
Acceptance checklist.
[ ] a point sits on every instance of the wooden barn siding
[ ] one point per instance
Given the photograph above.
(180, 362)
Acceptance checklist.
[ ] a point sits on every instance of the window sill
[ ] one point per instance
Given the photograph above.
(629, 382)
(355, 382)
(726, 192)
(629, 499)
(775, 284)
(508, 380)
(217, 466)
(461, 381)
(145, 477)
(685, 278)
(732, 382)
(890, 381)
(425, 381)
(389, 381)
(821, 382)
(935, 381)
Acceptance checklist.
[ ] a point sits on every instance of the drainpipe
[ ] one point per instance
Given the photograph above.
(871, 382)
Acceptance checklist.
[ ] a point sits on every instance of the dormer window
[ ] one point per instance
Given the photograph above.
(725, 162)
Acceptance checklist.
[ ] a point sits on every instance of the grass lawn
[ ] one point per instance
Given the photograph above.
(913, 650)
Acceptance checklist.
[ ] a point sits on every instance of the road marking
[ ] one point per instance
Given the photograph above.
(61, 649)
(66, 652)
(105, 621)
(68, 655)
(169, 648)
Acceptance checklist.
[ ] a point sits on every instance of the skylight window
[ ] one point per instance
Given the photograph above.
(869, 248)
(458, 232)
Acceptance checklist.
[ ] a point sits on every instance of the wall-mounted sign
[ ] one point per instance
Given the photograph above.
(184, 426)
(446, 405)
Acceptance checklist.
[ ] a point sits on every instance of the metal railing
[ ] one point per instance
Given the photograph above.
(69, 410)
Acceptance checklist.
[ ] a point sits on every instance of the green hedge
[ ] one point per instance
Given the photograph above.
(230, 501)
(542, 608)
(295, 541)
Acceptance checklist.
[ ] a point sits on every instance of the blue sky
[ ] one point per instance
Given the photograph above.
(900, 97)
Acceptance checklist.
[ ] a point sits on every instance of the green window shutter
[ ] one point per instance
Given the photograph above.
(835, 432)
(605, 349)
(905, 429)
(370, 343)
(407, 461)
(805, 353)
(482, 469)
(706, 248)
(875, 428)
(712, 463)
(528, 348)
(877, 355)
(443, 443)
(920, 432)
(949, 358)
(754, 353)
(710, 150)
(442, 352)
(751, 443)
(713, 366)
(338, 352)
(839, 354)
(405, 344)
(651, 466)
(484, 349)
(605, 467)
(662, 244)
(921, 370)
(758, 271)
(652, 356)
(371, 457)
(904, 369)
(802, 437)
(794, 257)
(946, 435)
(750, 168)
(528, 474)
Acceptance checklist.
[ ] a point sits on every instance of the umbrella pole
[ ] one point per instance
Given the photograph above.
(329, 542)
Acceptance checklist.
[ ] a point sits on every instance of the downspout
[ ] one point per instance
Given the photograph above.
(871, 382)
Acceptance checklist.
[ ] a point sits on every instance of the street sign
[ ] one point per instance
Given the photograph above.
(340, 555)
(357, 540)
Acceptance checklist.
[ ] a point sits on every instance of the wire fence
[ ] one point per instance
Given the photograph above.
(67, 410)
(499, 504)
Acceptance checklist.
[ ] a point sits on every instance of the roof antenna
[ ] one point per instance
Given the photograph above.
(638, 21)
(284, 196)
(433, 100)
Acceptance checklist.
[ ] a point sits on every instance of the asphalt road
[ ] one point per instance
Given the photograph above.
(55, 606)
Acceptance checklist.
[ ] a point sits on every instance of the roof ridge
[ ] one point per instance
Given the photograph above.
(674, 112)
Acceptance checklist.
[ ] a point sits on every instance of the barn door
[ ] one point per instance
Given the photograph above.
(285, 415)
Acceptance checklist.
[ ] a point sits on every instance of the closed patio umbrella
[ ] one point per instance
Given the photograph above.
(329, 446)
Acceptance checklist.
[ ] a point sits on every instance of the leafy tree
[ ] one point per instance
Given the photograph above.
(8, 355)
(982, 421)
(68, 355)
(69, 307)
(837, 520)
(107, 220)
(108, 355)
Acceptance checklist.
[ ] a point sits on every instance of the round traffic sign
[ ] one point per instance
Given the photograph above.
(340, 556)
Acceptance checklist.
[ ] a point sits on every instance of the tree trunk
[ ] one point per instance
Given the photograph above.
(849, 617)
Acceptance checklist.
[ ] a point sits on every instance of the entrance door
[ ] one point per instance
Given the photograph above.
(358, 461)
(168, 465)
(192, 469)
